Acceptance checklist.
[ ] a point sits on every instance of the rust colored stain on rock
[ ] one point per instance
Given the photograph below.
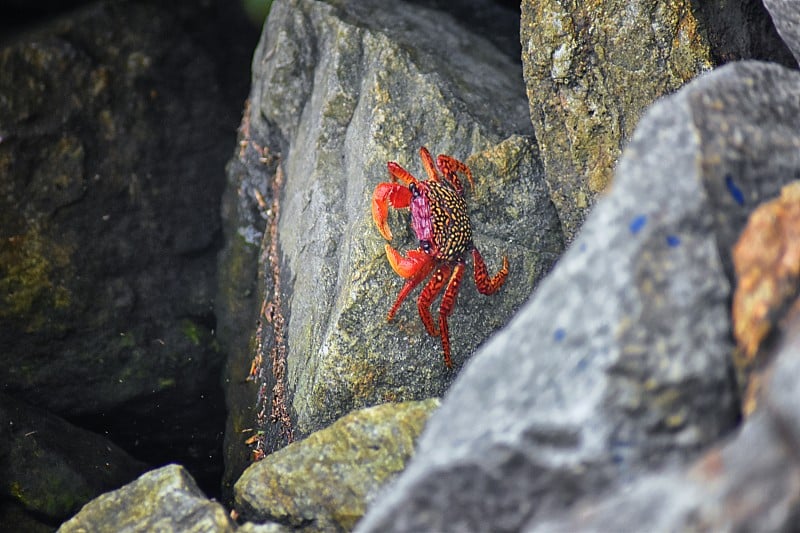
(767, 263)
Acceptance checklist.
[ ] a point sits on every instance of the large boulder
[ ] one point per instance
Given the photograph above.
(50, 468)
(752, 481)
(339, 89)
(326, 481)
(620, 363)
(591, 70)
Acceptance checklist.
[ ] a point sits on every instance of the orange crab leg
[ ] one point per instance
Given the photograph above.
(411, 265)
(427, 163)
(485, 284)
(399, 173)
(446, 308)
(449, 166)
(386, 194)
(429, 294)
(415, 267)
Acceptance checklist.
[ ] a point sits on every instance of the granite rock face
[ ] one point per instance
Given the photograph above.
(620, 363)
(786, 17)
(339, 89)
(590, 71)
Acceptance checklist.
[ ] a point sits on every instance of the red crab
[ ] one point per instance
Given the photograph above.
(440, 220)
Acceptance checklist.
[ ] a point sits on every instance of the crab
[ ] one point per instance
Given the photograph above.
(441, 222)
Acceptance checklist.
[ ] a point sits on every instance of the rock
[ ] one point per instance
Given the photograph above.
(767, 262)
(741, 30)
(590, 73)
(112, 145)
(324, 482)
(591, 70)
(340, 89)
(749, 483)
(49, 468)
(271, 527)
(166, 499)
(619, 364)
(787, 21)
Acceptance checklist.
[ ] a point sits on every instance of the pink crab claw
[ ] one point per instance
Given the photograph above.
(386, 194)
(415, 262)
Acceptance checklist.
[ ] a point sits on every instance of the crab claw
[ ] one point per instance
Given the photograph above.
(415, 262)
(386, 194)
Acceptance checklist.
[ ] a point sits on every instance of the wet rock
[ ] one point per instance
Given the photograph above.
(166, 499)
(324, 482)
(339, 89)
(592, 69)
(50, 468)
(111, 165)
(619, 364)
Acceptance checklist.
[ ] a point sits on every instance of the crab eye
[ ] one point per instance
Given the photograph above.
(414, 190)
(426, 245)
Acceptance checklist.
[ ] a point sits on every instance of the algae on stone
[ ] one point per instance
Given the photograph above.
(591, 69)
(165, 499)
(324, 482)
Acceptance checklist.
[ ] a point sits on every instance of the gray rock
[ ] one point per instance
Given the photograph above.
(269, 527)
(324, 482)
(620, 362)
(786, 16)
(50, 468)
(339, 89)
(750, 483)
(166, 499)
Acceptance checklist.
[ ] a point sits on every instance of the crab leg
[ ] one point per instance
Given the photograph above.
(449, 166)
(414, 267)
(410, 266)
(385, 195)
(448, 302)
(429, 294)
(399, 173)
(485, 284)
(427, 163)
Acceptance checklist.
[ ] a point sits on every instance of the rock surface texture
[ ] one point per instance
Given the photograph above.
(597, 394)
(166, 499)
(324, 482)
(749, 483)
(591, 69)
(621, 361)
(339, 89)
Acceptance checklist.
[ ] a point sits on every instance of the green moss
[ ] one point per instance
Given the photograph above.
(29, 288)
(192, 331)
